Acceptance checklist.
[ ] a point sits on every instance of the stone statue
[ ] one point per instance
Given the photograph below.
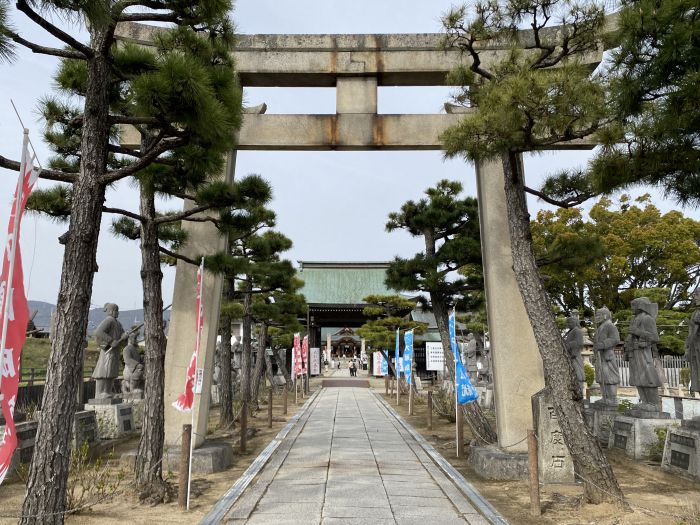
(692, 344)
(111, 339)
(606, 372)
(469, 357)
(484, 365)
(640, 348)
(573, 340)
(133, 367)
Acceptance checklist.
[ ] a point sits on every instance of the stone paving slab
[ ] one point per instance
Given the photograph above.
(351, 461)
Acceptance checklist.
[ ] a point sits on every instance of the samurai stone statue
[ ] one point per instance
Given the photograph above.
(111, 339)
(692, 344)
(606, 371)
(640, 348)
(573, 340)
(133, 367)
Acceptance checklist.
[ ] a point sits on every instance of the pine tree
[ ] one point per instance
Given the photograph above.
(281, 310)
(387, 313)
(449, 226)
(653, 92)
(102, 70)
(541, 93)
(252, 266)
(237, 227)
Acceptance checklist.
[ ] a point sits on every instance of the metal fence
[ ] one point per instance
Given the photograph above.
(672, 365)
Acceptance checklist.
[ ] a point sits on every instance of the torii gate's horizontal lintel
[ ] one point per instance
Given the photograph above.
(346, 132)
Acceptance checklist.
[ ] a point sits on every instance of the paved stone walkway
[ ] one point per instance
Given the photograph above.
(349, 461)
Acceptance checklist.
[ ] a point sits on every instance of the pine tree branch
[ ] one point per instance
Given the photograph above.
(565, 203)
(128, 119)
(151, 4)
(182, 215)
(47, 174)
(150, 17)
(125, 213)
(23, 6)
(179, 256)
(466, 43)
(44, 50)
(144, 161)
(135, 153)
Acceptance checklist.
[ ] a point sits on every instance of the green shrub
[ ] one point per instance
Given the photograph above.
(684, 377)
(624, 404)
(589, 373)
(656, 450)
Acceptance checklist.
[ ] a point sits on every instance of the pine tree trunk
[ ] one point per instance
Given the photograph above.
(45, 499)
(590, 463)
(268, 369)
(225, 377)
(149, 468)
(246, 354)
(259, 367)
(474, 416)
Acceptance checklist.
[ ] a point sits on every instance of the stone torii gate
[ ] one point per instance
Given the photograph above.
(356, 65)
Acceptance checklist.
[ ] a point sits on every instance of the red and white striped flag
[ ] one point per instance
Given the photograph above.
(15, 311)
(305, 354)
(297, 356)
(184, 401)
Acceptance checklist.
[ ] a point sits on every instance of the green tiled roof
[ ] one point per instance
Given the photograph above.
(342, 282)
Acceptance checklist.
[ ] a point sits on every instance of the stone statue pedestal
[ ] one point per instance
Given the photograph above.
(599, 417)
(635, 435)
(113, 420)
(104, 401)
(682, 449)
(85, 429)
(137, 404)
(208, 458)
(646, 411)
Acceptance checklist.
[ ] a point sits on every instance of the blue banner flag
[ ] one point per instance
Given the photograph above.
(385, 366)
(466, 393)
(408, 356)
(464, 390)
(453, 338)
(397, 360)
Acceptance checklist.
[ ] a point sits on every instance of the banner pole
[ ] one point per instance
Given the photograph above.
(200, 286)
(7, 296)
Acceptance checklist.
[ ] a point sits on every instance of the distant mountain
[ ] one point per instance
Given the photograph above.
(128, 318)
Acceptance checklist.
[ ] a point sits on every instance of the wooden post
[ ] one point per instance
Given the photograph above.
(285, 392)
(296, 391)
(269, 409)
(535, 508)
(244, 427)
(386, 385)
(430, 409)
(183, 481)
(398, 392)
(459, 421)
(410, 399)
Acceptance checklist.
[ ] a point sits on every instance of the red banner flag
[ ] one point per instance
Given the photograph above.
(184, 401)
(15, 311)
(297, 356)
(305, 354)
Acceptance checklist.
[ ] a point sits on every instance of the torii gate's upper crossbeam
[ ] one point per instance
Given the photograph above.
(355, 65)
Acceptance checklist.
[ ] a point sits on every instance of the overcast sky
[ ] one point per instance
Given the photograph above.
(333, 205)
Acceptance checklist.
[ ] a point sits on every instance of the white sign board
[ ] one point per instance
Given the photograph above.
(434, 358)
(315, 361)
(377, 364)
(199, 381)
